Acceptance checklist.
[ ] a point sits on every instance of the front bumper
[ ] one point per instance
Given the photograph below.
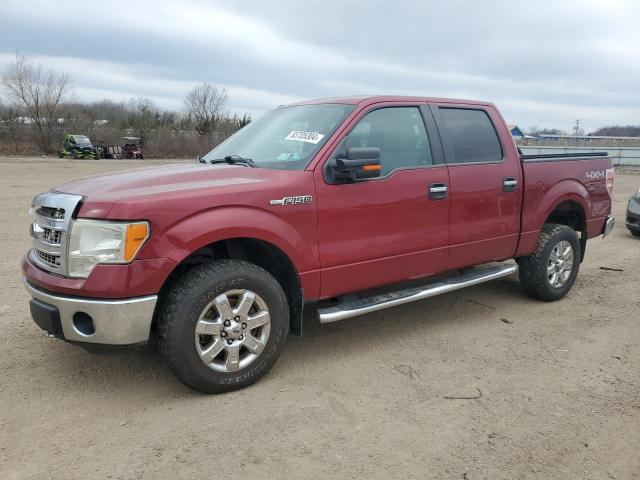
(633, 214)
(92, 321)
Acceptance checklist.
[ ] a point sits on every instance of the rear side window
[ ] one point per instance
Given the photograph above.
(469, 136)
(400, 135)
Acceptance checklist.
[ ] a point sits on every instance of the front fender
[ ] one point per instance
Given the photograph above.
(295, 236)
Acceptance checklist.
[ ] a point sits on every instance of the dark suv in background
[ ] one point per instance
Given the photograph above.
(633, 214)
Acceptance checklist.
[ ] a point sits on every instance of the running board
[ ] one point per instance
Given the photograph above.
(360, 306)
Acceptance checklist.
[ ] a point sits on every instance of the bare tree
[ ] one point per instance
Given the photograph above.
(41, 93)
(205, 104)
(544, 131)
(143, 117)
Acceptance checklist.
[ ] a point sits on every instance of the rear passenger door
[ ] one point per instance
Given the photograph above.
(484, 184)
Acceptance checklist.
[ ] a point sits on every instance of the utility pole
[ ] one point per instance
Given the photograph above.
(576, 128)
(576, 131)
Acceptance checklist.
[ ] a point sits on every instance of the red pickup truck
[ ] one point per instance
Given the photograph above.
(347, 205)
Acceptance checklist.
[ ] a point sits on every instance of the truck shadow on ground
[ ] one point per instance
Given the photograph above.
(143, 373)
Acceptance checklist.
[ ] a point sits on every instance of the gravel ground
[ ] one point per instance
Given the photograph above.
(557, 383)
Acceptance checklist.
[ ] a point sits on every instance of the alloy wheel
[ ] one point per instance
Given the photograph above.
(232, 330)
(560, 264)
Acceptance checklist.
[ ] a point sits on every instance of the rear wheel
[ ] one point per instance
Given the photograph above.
(635, 233)
(550, 272)
(223, 325)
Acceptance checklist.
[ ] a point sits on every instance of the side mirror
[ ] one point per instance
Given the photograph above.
(360, 163)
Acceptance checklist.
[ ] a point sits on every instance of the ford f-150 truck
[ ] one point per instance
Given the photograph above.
(343, 206)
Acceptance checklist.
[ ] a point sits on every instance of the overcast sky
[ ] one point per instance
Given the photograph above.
(544, 63)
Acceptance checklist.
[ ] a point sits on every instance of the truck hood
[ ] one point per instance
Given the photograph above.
(175, 182)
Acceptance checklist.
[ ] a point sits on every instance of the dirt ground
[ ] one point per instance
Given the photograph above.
(367, 398)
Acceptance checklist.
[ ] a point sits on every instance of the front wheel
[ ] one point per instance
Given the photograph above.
(223, 325)
(549, 273)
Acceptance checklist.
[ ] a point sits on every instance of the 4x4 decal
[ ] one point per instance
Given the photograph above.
(595, 175)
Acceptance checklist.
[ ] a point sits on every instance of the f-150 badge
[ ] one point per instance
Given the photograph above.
(298, 200)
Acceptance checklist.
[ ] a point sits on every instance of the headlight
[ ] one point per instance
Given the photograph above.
(638, 193)
(97, 241)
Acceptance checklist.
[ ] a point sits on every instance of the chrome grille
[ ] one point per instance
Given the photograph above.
(48, 212)
(51, 213)
(51, 235)
(52, 260)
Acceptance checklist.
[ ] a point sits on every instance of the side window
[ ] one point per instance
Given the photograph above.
(400, 135)
(469, 136)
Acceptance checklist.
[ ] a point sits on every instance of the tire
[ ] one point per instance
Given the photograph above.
(187, 301)
(535, 278)
(635, 233)
(60, 154)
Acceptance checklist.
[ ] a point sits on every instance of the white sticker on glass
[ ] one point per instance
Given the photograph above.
(301, 136)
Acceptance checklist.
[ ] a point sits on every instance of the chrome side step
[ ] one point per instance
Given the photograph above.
(360, 306)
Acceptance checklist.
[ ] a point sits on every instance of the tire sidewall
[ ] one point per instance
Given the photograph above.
(182, 339)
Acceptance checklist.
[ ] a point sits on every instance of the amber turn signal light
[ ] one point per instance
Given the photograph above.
(137, 234)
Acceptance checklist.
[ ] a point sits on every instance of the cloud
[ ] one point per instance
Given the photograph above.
(545, 63)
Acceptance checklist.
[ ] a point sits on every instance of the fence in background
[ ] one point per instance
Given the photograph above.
(628, 156)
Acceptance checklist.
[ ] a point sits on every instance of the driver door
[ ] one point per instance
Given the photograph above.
(387, 229)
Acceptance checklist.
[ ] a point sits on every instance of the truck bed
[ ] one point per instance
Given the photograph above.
(581, 179)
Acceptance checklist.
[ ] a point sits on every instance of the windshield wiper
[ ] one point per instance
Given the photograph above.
(235, 160)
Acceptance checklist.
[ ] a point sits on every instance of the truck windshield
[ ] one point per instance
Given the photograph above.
(285, 138)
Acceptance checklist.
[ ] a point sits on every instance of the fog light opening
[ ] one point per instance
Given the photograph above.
(83, 323)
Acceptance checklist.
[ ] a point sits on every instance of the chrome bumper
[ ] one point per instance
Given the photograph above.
(105, 322)
(608, 226)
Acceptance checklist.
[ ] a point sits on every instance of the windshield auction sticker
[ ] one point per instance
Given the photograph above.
(301, 136)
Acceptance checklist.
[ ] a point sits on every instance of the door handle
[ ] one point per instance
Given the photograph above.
(438, 191)
(510, 184)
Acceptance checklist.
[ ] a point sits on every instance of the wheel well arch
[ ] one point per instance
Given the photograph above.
(259, 252)
(571, 214)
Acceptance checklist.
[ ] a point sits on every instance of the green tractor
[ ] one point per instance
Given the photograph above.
(77, 146)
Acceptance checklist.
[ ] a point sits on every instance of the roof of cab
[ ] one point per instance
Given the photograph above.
(370, 99)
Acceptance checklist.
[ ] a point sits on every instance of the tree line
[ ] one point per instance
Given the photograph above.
(38, 111)
(608, 131)
(619, 131)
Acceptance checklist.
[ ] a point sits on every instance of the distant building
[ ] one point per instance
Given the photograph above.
(587, 141)
(585, 138)
(516, 132)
